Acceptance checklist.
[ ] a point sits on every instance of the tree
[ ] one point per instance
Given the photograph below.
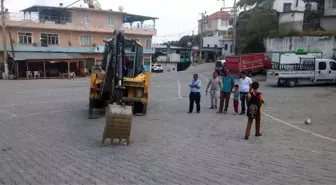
(252, 28)
(264, 3)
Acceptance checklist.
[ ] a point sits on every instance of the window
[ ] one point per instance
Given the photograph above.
(226, 47)
(322, 66)
(224, 23)
(287, 7)
(49, 39)
(109, 21)
(85, 40)
(332, 66)
(148, 43)
(209, 24)
(25, 38)
(86, 18)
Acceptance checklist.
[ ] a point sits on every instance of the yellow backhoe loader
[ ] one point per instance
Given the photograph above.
(121, 85)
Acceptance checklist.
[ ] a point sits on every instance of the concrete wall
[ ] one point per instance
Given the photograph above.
(330, 8)
(98, 18)
(325, 44)
(212, 41)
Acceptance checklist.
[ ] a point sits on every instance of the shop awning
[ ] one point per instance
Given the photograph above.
(45, 56)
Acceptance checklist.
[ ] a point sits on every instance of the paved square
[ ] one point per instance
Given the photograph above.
(46, 138)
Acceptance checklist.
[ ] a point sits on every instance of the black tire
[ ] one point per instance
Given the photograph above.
(280, 84)
(291, 83)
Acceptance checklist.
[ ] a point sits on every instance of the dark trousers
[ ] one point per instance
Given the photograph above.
(243, 99)
(249, 125)
(224, 96)
(194, 97)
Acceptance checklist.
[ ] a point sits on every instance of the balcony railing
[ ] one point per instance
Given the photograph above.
(139, 26)
(38, 18)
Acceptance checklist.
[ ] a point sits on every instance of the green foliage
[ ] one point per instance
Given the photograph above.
(242, 3)
(253, 26)
(183, 42)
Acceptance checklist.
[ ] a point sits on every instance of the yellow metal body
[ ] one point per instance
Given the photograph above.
(140, 83)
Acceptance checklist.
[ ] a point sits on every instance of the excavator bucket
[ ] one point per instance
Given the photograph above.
(118, 123)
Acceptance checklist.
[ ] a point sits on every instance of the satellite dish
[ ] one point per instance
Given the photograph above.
(121, 8)
(97, 6)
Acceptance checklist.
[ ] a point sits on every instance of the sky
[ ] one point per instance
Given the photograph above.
(176, 17)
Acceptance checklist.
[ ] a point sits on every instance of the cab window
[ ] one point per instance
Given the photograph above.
(332, 65)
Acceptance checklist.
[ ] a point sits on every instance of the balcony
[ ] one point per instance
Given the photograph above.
(140, 29)
(36, 21)
(34, 17)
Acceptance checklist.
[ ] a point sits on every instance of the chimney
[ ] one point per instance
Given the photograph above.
(61, 4)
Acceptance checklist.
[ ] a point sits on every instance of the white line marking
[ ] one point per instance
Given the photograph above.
(179, 88)
(304, 130)
(41, 113)
(296, 127)
(41, 102)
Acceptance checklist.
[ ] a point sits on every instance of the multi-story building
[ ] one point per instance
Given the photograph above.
(216, 24)
(74, 35)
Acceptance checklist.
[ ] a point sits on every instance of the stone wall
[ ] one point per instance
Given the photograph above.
(325, 44)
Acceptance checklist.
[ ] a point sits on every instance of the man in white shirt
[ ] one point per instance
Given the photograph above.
(245, 88)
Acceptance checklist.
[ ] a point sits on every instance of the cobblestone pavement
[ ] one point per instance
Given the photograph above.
(46, 138)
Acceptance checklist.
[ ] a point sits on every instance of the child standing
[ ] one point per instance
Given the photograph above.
(254, 102)
(235, 93)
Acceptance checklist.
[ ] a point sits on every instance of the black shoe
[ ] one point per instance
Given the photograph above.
(212, 107)
(246, 137)
(257, 135)
(189, 112)
(215, 106)
(198, 112)
(242, 113)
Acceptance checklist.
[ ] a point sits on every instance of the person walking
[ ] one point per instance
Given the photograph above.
(255, 100)
(227, 86)
(245, 88)
(195, 94)
(214, 91)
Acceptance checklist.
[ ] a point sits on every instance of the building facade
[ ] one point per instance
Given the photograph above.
(328, 21)
(216, 24)
(292, 13)
(43, 29)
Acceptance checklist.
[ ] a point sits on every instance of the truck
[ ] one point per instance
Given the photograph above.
(306, 71)
(249, 63)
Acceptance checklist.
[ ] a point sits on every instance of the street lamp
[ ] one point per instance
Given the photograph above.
(189, 44)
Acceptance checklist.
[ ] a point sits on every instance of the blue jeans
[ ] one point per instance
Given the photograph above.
(243, 99)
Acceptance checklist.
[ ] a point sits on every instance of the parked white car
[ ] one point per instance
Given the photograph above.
(157, 68)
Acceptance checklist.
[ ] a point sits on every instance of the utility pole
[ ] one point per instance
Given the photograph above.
(4, 39)
(203, 20)
(234, 26)
(233, 11)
